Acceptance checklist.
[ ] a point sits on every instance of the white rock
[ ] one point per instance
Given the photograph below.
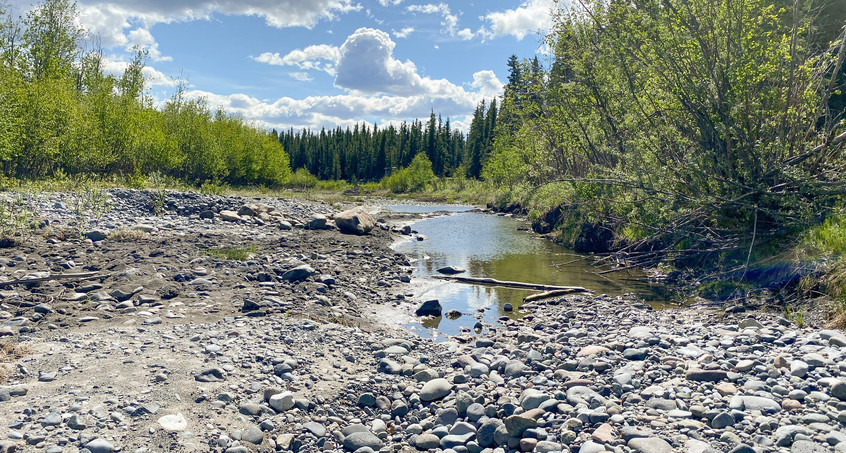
(173, 422)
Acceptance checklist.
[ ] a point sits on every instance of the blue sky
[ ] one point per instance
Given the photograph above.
(322, 63)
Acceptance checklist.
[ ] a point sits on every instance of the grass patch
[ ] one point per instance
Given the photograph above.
(233, 253)
(126, 234)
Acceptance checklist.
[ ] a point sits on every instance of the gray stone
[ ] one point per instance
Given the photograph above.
(583, 395)
(281, 402)
(485, 434)
(722, 420)
(635, 353)
(315, 428)
(517, 424)
(740, 448)
(362, 439)
(427, 441)
(366, 399)
(838, 390)
(798, 368)
(51, 419)
(96, 235)
(298, 273)
(100, 445)
(435, 389)
(456, 440)
(389, 366)
(706, 375)
(806, 446)
(253, 435)
(592, 447)
(546, 446)
(532, 399)
(650, 445)
(754, 403)
(317, 222)
(515, 369)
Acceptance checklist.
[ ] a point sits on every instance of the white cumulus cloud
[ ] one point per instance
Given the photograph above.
(321, 57)
(367, 64)
(530, 17)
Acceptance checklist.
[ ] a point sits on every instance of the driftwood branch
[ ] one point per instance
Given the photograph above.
(74, 276)
(549, 294)
(508, 284)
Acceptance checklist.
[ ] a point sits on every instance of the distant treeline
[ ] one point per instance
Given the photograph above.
(62, 115)
(369, 153)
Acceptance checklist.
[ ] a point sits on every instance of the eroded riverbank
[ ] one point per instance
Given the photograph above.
(215, 354)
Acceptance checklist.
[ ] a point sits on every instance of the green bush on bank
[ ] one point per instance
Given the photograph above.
(414, 178)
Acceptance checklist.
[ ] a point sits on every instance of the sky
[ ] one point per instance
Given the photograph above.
(321, 63)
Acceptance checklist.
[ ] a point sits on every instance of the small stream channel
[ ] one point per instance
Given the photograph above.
(499, 247)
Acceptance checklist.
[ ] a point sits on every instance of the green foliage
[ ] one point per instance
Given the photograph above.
(828, 238)
(302, 179)
(413, 178)
(61, 115)
(695, 128)
(233, 253)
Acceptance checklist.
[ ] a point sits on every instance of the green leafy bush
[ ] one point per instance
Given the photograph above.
(413, 178)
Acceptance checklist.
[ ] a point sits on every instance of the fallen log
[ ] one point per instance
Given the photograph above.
(508, 284)
(73, 276)
(549, 294)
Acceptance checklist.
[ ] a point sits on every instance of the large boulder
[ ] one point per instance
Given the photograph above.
(355, 221)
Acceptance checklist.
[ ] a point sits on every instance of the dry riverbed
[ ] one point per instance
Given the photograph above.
(155, 335)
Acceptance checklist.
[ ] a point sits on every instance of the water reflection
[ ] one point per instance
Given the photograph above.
(494, 246)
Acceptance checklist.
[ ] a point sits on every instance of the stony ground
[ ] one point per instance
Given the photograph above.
(147, 336)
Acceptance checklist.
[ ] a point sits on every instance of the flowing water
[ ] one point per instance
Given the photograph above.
(499, 247)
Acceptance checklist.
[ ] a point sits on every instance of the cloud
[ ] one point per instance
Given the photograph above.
(314, 112)
(532, 16)
(110, 20)
(389, 2)
(367, 64)
(277, 13)
(320, 57)
(404, 33)
(143, 39)
(449, 21)
(301, 76)
(487, 83)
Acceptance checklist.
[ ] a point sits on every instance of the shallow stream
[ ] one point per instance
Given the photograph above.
(499, 247)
